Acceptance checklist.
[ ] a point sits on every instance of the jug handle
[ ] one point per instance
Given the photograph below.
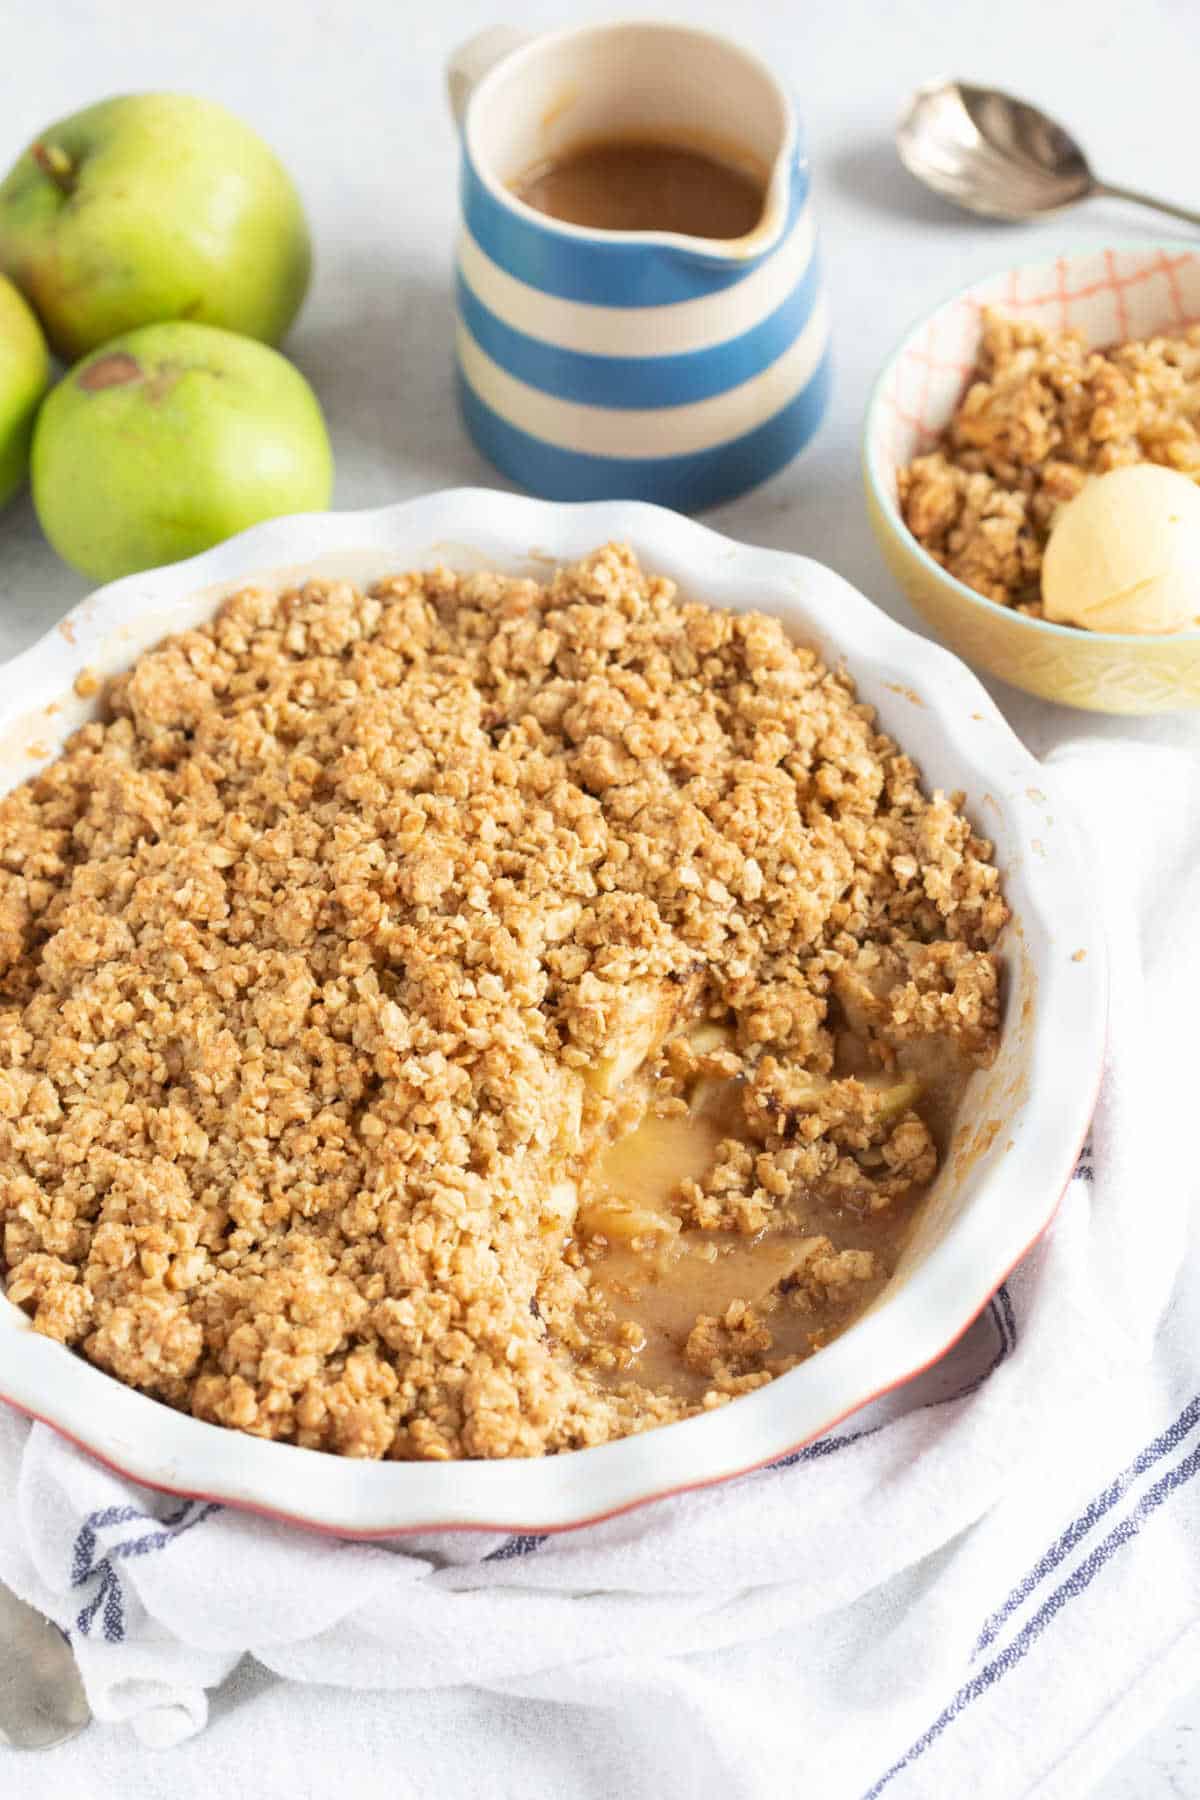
(476, 58)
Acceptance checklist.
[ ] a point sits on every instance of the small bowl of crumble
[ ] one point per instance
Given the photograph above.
(1030, 452)
(509, 1011)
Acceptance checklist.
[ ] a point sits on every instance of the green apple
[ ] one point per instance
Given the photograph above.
(24, 378)
(170, 439)
(149, 207)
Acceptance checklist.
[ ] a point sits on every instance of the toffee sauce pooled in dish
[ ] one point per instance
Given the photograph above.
(638, 184)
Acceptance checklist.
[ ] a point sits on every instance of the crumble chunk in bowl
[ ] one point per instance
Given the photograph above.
(988, 416)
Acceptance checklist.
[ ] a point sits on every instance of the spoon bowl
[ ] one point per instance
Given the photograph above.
(1001, 157)
(42, 1701)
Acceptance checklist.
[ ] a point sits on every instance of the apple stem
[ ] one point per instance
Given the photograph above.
(53, 160)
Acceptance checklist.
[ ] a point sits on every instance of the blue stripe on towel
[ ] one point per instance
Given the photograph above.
(1093, 1513)
(1075, 1584)
(108, 1600)
(632, 382)
(686, 483)
(523, 1544)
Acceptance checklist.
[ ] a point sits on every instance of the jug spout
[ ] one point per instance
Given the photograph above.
(784, 194)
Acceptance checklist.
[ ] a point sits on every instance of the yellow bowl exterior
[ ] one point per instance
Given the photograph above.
(1089, 670)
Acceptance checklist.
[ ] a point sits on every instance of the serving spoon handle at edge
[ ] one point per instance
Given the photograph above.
(1107, 191)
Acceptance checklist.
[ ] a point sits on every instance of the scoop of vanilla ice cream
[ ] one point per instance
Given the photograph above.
(1124, 554)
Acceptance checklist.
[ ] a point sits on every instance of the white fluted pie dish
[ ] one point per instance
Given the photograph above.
(1018, 1132)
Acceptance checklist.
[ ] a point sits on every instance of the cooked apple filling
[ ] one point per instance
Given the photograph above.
(476, 1017)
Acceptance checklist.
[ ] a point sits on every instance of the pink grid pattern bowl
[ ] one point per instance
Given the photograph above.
(1109, 295)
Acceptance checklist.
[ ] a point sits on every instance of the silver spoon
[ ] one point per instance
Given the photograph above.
(41, 1696)
(1001, 157)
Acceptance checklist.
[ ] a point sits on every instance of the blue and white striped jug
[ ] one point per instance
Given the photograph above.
(647, 365)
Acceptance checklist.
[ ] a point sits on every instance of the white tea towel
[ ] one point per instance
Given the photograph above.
(988, 1583)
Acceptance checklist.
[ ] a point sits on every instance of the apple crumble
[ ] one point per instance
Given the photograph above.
(1042, 412)
(476, 1017)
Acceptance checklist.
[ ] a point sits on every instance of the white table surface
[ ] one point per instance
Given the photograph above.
(350, 94)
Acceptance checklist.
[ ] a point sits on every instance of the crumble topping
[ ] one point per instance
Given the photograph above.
(336, 953)
(1041, 413)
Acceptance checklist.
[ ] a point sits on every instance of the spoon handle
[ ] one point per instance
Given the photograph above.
(1109, 192)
